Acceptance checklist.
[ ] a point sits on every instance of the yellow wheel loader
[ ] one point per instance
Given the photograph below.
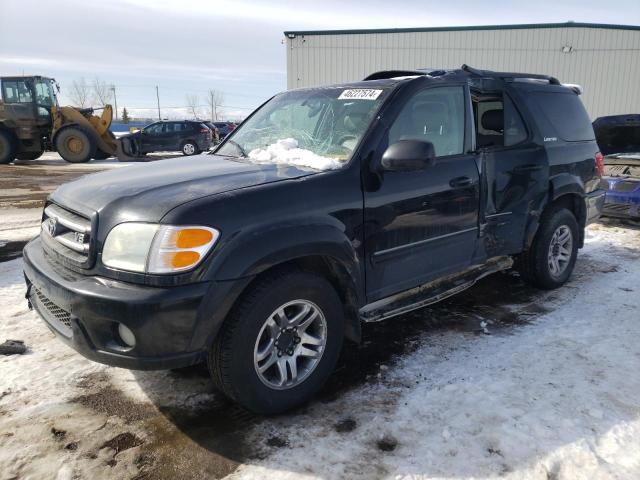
(31, 121)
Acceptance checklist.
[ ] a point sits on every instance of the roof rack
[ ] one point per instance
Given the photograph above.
(488, 73)
(385, 74)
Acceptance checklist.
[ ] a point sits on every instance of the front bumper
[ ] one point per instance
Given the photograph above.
(84, 311)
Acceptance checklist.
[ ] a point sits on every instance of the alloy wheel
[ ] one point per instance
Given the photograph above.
(290, 344)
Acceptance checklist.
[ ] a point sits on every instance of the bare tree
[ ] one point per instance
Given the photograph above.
(102, 91)
(214, 99)
(193, 105)
(80, 94)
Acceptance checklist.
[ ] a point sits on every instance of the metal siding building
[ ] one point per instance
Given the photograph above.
(603, 59)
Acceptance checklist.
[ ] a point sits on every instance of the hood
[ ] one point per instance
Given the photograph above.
(618, 134)
(148, 191)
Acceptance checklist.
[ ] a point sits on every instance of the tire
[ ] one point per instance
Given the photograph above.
(29, 155)
(234, 358)
(541, 266)
(190, 148)
(76, 145)
(7, 147)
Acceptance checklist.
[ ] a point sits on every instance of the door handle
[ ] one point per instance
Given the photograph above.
(460, 182)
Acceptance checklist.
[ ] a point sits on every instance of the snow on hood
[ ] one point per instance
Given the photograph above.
(286, 151)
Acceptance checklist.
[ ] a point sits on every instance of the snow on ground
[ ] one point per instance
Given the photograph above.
(286, 152)
(555, 397)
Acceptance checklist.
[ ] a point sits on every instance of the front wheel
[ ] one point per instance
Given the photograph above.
(280, 344)
(75, 145)
(549, 262)
(189, 148)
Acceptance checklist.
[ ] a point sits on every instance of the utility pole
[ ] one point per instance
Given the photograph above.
(214, 117)
(115, 99)
(158, 97)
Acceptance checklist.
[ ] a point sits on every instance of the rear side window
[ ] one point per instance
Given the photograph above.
(566, 114)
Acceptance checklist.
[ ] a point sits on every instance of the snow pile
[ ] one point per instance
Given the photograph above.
(286, 152)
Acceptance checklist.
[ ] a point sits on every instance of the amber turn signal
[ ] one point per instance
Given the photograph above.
(193, 237)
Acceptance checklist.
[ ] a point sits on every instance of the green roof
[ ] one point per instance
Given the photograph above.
(520, 26)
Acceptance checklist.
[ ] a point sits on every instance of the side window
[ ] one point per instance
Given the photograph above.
(514, 128)
(434, 115)
(155, 129)
(566, 114)
(498, 122)
(17, 91)
(175, 127)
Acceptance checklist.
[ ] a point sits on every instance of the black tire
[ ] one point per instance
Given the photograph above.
(76, 145)
(189, 148)
(231, 358)
(534, 264)
(29, 155)
(7, 147)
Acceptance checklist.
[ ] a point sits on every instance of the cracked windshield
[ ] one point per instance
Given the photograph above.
(317, 128)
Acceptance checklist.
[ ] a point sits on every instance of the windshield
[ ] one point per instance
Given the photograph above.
(317, 128)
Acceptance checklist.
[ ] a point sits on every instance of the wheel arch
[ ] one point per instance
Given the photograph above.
(567, 191)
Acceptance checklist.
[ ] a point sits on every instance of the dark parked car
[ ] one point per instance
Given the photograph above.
(224, 128)
(619, 140)
(189, 137)
(328, 207)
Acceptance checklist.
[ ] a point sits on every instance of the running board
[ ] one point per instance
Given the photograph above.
(431, 292)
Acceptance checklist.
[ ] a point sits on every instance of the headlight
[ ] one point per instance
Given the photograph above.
(151, 248)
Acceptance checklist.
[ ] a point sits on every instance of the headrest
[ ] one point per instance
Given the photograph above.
(493, 120)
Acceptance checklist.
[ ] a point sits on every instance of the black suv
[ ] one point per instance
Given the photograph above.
(189, 137)
(326, 208)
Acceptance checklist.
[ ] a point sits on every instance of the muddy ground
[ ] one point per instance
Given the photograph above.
(175, 425)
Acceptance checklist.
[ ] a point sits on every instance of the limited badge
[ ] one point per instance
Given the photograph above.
(360, 94)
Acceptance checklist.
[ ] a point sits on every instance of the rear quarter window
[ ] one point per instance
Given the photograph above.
(566, 114)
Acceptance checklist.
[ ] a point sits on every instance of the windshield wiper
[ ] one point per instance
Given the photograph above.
(239, 147)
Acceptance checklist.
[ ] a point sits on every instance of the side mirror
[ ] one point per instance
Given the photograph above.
(407, 155)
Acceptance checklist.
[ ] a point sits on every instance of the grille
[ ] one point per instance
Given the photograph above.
(58, 317)
(67, 233)
(623, 186)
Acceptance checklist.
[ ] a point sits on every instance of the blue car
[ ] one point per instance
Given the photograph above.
(619, 140)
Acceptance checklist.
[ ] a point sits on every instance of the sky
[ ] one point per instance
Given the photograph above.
(236, 47)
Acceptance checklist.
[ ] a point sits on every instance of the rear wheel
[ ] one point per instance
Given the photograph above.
(280, 344)
(7, 147)
(76, 145)
(29, 155)
(190, 148)
(550, 261)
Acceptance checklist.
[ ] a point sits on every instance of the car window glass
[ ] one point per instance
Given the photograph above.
(514, 128)
(174, 127)
(17, 91)
(434, 115)
(155, 129)
(566, 114)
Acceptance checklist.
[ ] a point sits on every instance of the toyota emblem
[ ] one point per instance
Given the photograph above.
(52, 226)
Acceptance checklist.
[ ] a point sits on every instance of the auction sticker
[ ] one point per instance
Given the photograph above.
(360, 94)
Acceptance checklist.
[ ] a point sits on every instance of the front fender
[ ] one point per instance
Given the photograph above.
(254, 252)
